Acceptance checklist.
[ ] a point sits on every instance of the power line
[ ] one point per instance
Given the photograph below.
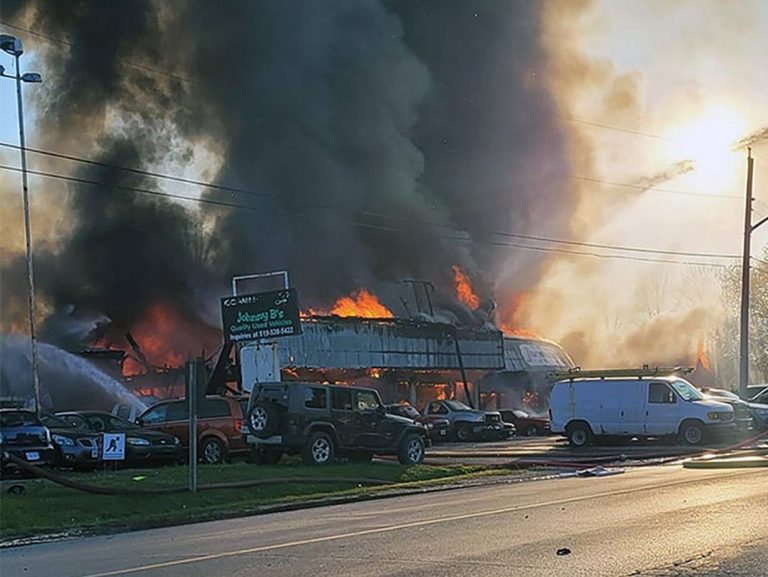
(616, 128)
(373, 214)
(646, 188)
(369, 225)
(222, 187)
(123, 60)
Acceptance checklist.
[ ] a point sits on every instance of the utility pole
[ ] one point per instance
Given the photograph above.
(745, 270)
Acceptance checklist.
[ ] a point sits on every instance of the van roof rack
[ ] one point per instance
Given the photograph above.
(645, 371)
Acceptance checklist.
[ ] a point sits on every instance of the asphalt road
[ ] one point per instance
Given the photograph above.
(653, 521)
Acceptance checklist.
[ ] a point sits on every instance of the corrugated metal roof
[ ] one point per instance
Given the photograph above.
(363, 343)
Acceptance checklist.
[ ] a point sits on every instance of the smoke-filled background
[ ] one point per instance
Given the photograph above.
(360, 143)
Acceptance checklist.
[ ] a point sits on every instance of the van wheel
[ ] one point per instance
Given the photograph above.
(212, 451)
(692, 433)
(579, 435)
(319, 449)
(263, 419)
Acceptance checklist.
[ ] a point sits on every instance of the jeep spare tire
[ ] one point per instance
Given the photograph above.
(411, 450)
(263, 419)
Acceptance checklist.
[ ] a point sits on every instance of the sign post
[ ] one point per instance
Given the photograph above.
(193, 368)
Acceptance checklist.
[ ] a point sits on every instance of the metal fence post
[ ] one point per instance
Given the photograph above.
(192, 368)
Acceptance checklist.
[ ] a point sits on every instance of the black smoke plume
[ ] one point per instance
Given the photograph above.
(378, 140)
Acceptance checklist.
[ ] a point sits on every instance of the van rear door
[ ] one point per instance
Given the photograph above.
(661, 409)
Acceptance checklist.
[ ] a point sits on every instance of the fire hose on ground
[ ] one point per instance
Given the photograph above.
(98, 490)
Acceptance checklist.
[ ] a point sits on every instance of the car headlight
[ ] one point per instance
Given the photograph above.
(176, 441)
(719, 416)
(137, 441)
(63, 441)
(762, 413)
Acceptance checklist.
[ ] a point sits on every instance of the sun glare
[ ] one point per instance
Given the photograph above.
(707, 140)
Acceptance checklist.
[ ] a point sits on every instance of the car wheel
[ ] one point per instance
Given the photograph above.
(464, 433)
(579, 435)
(411, 450)
(318, 450)
(531, 431)
(692, 433)
(263, 419)
(212, 451)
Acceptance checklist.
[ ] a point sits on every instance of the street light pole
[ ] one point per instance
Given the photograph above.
(13, 46)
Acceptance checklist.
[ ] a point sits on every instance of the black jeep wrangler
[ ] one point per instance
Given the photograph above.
(321, 422)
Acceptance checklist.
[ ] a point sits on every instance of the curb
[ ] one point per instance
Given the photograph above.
(727, 463)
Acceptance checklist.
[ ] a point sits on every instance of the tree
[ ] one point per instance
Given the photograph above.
(728, 336)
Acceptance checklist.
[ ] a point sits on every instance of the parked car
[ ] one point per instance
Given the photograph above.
(468, 424)
(741, 410)
(437, 428)
(25, 437)
(141, 445)
(73, 447)
(761, 397)
(586, 409)
(219, 421)
(526, 424)
(754, 390)
(323, 421)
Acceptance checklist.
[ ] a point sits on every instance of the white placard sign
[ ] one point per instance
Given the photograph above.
(113, 446)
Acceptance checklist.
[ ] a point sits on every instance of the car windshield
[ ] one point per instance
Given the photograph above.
(686, 390)
(722, 394)
(457, 406)
(110, 423)
(55, 422)
(18, 419)
(409, 411)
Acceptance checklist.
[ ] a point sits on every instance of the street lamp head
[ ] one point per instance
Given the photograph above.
(31, 77)
(11, 45)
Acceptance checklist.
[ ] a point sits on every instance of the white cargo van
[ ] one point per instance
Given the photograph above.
(586, 409)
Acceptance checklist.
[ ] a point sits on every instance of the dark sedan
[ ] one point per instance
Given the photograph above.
(141, 445)
(436, 428)
(25, 437)
(74, 447)
(526, 424)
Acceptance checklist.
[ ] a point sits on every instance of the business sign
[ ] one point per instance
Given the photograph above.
(261, 316)
(113, 446)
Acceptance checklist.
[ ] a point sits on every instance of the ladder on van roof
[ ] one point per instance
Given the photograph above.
(645, 371)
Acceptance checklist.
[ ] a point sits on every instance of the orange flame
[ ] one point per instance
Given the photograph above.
(701, 355)
(509, 317)
(166, 339)
(464, 290)
(361, 304)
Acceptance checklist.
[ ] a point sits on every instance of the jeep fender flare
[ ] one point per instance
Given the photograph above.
(409, 430)
(321, 426)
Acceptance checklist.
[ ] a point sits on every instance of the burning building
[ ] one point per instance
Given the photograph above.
(411, 360)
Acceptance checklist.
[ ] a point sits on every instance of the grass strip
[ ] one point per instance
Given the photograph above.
(46, 508)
